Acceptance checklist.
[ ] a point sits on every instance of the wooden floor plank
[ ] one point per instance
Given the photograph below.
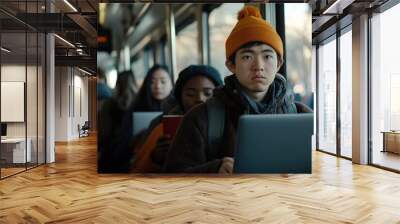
(71, 191)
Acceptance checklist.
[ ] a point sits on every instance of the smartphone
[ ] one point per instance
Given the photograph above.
(171, 124)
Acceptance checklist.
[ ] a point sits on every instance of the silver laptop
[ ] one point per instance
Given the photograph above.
(142, 120)
(274, 143)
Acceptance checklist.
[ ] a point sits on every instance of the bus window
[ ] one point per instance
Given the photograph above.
(221, 21)
(139, 68)
(187, 52)
(298, 48)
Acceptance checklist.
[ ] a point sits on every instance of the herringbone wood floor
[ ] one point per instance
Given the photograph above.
(70, 191)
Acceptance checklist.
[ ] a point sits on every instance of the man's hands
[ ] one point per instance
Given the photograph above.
(226, 166)
(161, 150)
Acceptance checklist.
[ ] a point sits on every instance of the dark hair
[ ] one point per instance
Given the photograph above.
(145, 100)
(246, 45)
(124, 91)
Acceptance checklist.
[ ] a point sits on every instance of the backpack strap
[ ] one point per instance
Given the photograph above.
(216, 124)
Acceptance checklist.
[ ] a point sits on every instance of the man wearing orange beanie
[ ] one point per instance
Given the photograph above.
(254, 54)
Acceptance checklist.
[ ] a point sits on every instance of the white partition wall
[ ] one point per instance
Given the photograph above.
(50, 99)
(360, 90)
(71, 102)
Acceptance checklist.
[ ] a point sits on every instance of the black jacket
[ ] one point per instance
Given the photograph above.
(190, 151)
(115, 139)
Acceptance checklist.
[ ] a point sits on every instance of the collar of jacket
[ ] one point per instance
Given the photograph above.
(232, 94)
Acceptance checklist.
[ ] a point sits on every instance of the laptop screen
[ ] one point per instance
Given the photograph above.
(142, 120)
(283, 145)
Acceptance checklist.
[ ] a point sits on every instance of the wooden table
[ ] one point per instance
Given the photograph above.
(391, 141)
(13, 150)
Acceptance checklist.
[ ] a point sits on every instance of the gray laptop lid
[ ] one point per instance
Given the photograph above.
(274, 143)
(142, 120)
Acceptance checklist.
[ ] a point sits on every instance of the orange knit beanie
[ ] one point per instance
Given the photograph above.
(251, 27)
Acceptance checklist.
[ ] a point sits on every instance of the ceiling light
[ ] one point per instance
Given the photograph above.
(65, 41)
(331, 7)
(86, 72)
(5, 50)
(338, 6)
(70, 5)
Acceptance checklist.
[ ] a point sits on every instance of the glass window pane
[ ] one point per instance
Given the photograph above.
(327, 97)
(187, 52)
(139, 69)
(298, 49)
(385, 88)
(22, 63)
(221, 22)
(13, 83)
(346, 94)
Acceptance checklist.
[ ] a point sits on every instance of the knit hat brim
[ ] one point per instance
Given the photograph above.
(252, 28)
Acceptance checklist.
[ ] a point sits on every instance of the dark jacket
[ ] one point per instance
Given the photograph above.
(115, 138)
(190, 151)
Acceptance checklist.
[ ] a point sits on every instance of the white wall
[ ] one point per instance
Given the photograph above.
(12, 73)
(61, 103)
(71, 94)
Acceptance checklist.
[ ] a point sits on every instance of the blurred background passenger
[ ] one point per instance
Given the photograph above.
(103, 91)
(115, 134)
(156, 87)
